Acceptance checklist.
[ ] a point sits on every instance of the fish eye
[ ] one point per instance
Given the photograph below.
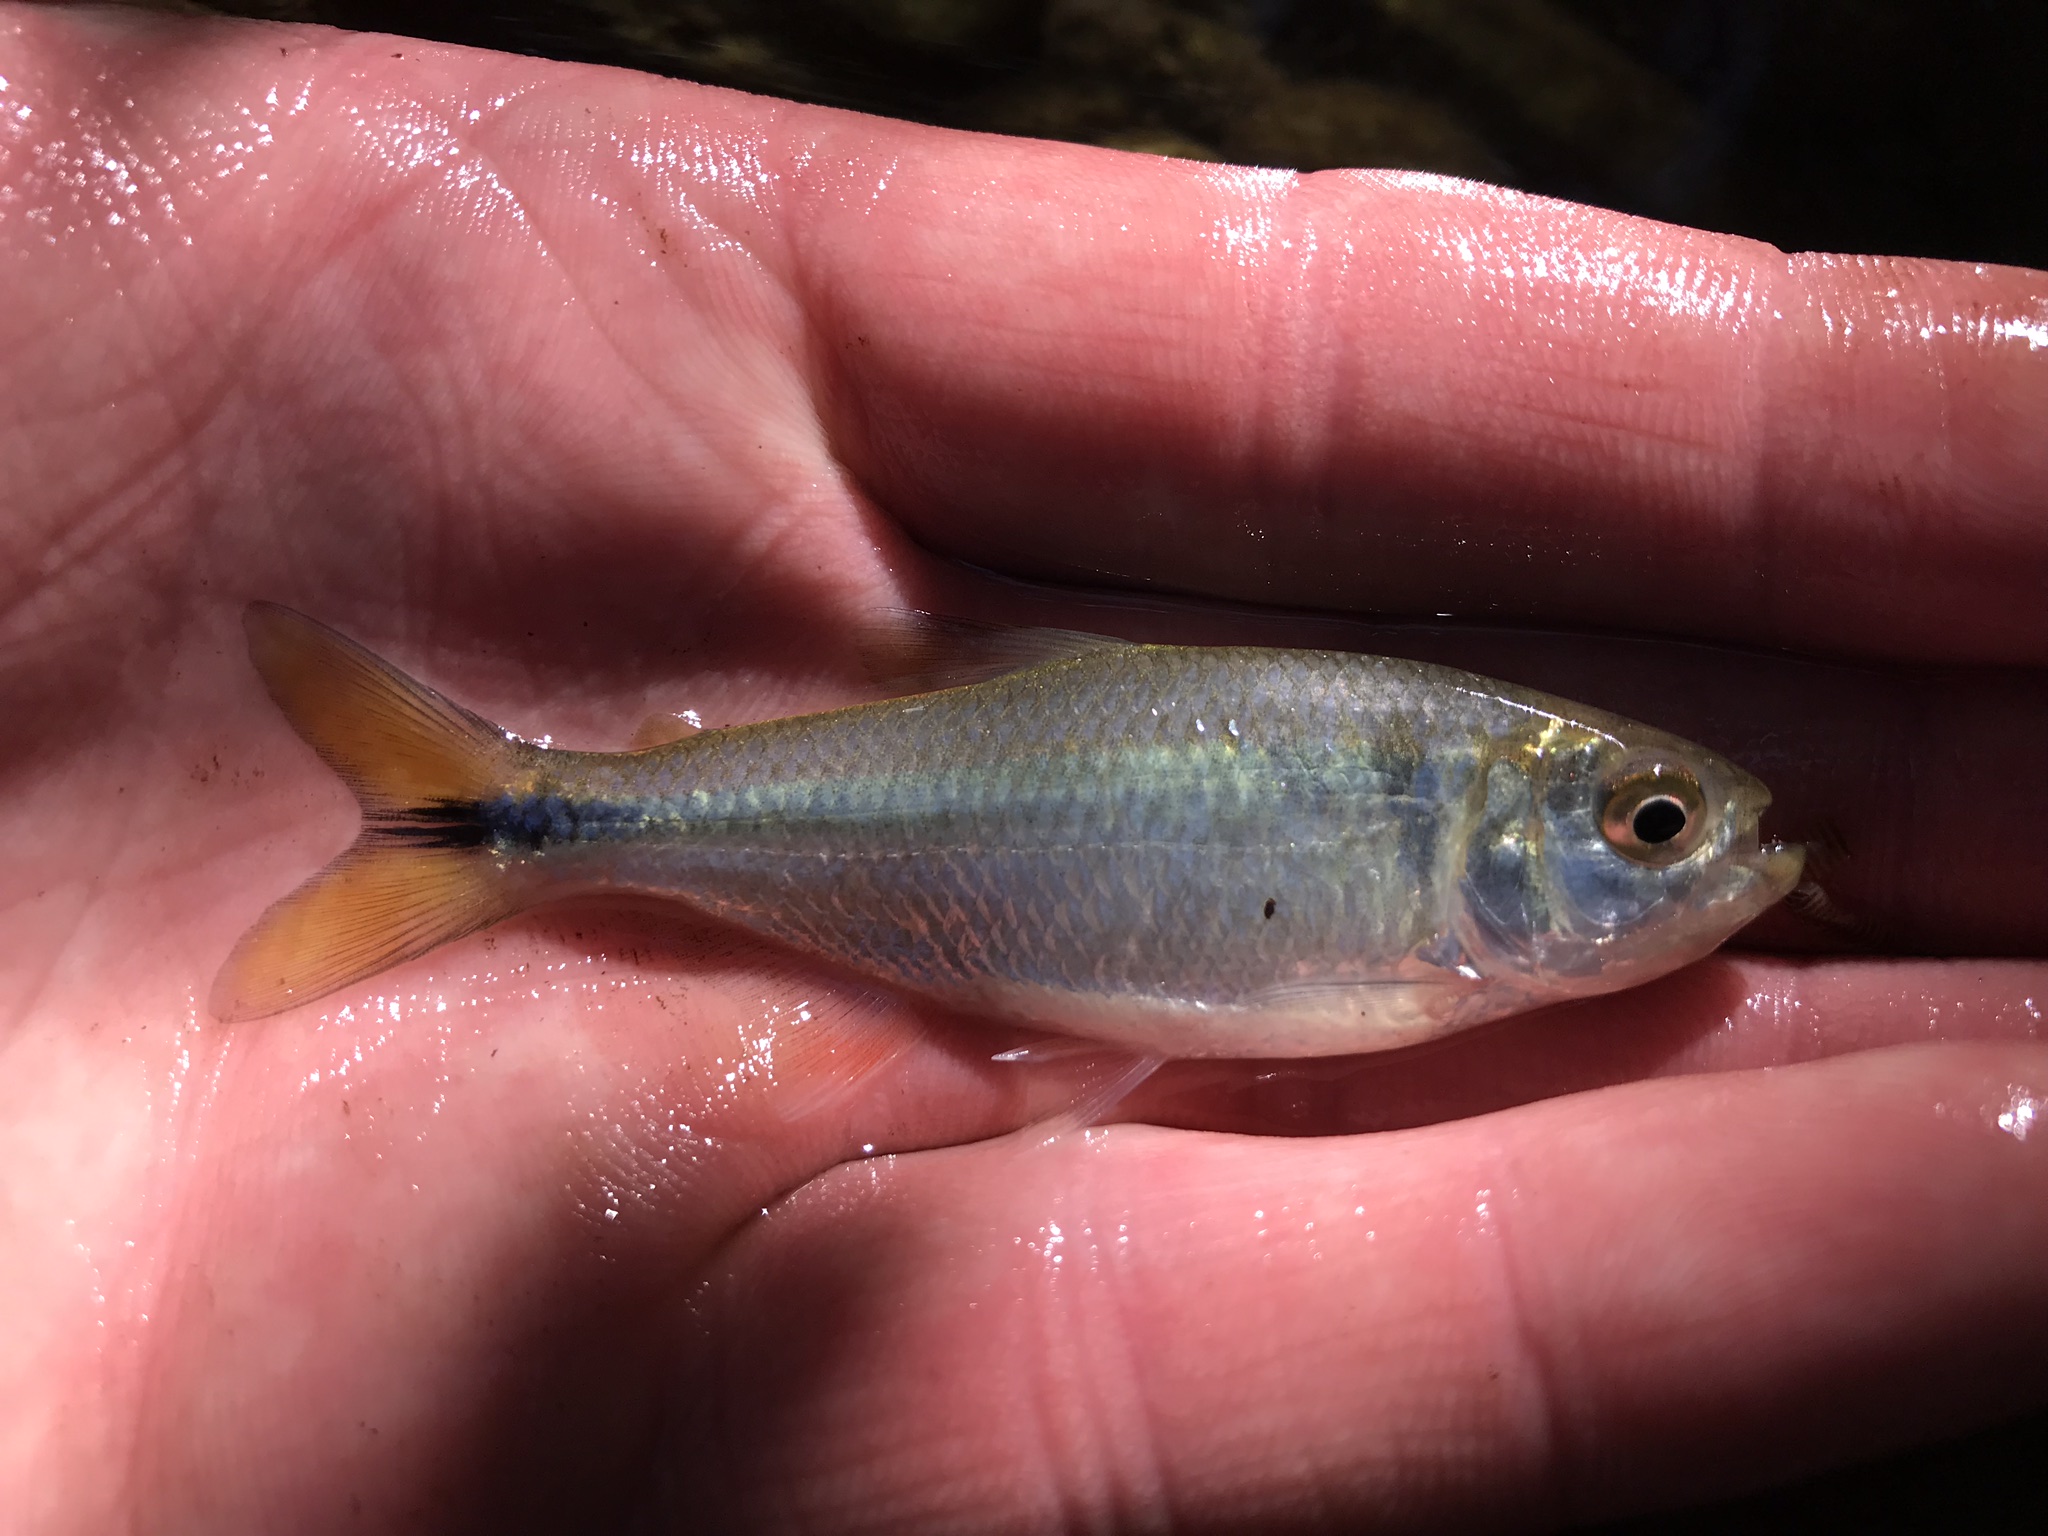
(1655, 816)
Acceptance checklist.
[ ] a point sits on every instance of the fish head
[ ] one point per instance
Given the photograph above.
(1607, 853)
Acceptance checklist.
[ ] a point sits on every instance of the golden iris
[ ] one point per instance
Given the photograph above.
(1654, 816)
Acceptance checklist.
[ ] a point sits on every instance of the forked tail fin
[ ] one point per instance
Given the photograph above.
(421, 871)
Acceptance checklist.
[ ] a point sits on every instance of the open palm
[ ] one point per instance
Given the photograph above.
(586, 396)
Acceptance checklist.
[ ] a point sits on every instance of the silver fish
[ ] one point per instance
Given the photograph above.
(1180, 851)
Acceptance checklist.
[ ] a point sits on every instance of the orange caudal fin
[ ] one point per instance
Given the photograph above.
(421, 872)
(378, 904)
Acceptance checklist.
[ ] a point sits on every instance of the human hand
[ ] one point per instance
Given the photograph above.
(584, 395)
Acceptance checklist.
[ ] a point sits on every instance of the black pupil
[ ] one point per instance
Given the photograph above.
(1658, 820)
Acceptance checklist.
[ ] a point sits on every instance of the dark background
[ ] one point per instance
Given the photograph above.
(1900, 127)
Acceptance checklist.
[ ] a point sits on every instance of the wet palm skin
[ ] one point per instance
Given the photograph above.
(589, 395)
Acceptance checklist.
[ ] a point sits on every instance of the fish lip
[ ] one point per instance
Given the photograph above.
(1779, 865)
(1776, 864)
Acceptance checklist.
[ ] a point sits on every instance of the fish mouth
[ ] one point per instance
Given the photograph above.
(1779, 865)
(1776, 863)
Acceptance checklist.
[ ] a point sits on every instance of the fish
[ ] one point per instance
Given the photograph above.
(1179, 851)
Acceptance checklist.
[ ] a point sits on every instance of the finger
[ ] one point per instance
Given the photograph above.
(1382, 391)
(486, 1177)
(1729, 1013)
(1559, 1313)
(530, 1147)
(1359, 390)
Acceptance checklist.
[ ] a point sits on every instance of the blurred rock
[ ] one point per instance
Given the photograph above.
(1158, 141)
(1320, 124)
(1562, 78)
(1049, 105)
(703, 40)
(1201, 74)
(1146, 74)
(938, 24)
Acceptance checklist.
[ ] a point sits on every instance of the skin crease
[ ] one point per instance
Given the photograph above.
(584, 395)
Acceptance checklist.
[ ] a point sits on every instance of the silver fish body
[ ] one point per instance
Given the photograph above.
(1189, 852)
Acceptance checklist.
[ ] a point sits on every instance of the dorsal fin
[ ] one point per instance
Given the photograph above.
(659, 730)
(920, 652)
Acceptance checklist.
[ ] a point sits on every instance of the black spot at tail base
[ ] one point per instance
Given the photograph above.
(531, 822)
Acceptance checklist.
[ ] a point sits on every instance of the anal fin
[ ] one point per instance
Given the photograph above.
(840, 1036)
(1084, 1082)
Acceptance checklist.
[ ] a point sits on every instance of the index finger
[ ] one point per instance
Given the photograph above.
(1401, 393)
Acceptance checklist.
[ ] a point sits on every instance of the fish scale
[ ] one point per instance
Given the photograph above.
(1072, 829)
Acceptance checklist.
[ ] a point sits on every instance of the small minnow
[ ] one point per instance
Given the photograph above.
(1181, 851)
